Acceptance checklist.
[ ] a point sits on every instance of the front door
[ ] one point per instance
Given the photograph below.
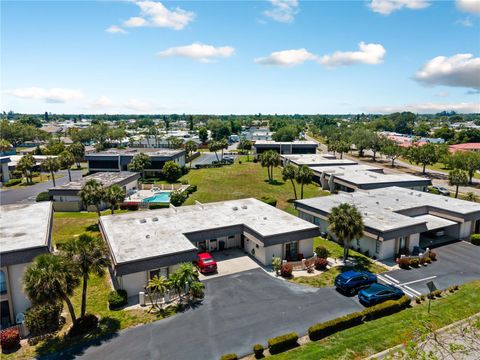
(291, 251)
(213, 246)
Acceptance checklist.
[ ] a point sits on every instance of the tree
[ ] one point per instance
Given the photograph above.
(219, 129)
(186, 276)
(362, 138)
(114, 195)
(190, 122)
(92, 193)
(423, 155)
(139, 163)
(214, 146)
(78, 151)
(287, 133)
(289, 172)
(5, 146)
(376, 144)
(392, 151)
(89, 256)
(457, 178)
(304, 177)
(171, 171)
(191, 147)
(157, 287)
(203, 135)
(51, 278)
(223, 144)
(174, 142)
(245, 146)
(270, 159)
(51, 165)
(177, 198)
(54, 147)
(346, 224)
(25, 166)
(66, 160)
(464, 160)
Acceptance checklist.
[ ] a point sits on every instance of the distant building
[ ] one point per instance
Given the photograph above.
(293, 147)
(410, 140)
(316, 160)
(118, 159)
(26, 233)
(464, 147)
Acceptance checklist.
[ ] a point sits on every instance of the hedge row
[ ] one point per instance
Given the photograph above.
(282, 342)
(475, 239)
(321, 330)
(12, 182)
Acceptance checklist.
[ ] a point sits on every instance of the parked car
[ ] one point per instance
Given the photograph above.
(377, 293)
(205, 263)
(352, 281)
(441, 190)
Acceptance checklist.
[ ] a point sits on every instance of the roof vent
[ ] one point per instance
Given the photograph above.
(264, 218)
(244, 207)
(147, 236)
(397, 199)
(235, 208)
(143, 221)
(155, 219)
(376, 202)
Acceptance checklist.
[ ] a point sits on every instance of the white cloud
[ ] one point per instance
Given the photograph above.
(155, 14)
(101, 103)
(425, 108)
(199, 51)
(286, 58)
(282, 10)
(52, 95)
(386, 7)
(138, 105)
(442, 94)
(465, 22)
(470, 6)
(460, 70)
(114, 29)
(368, 54)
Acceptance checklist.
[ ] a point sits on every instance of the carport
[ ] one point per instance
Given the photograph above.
(439, 231)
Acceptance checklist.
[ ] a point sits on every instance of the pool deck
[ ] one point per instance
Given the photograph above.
(141, 195)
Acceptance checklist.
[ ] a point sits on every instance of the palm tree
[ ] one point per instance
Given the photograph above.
(288, 173)
(274, 161)
(114, 195)
(190, 147)
(78, 151)
(265, 162)
(51, 278)
(304, 177)
(223, 144)
(51, 165)
(158, 286)
(66, 160)
(214, 146)
(25, 166)
(346, 224)
(92, 193)
(457, 178)
(89, 256)
(176, 283)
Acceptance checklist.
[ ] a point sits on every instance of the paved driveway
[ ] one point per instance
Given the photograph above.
(239, 311)
(457, 263)
(230, 261)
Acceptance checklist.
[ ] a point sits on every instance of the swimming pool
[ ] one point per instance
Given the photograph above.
(161, 197)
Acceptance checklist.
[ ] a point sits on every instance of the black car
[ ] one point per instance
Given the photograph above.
(352, 281)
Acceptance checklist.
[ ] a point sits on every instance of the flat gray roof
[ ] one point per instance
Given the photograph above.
(25, 226)
(382, 208)
(342, 169)
(435, 222)
(317, 160)
(135, 151)
(105, 178)
(140, 235)
(296, 142)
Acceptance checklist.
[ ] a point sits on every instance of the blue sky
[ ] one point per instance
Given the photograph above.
(279, 56)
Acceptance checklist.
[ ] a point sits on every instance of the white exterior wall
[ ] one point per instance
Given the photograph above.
(180, 161)
(133, 283)
(273, 251)
(259, 251)
(131, 185)
(465, 230)
(64, 198)
(305, 247)
(387, 250)
(365, 243)
(414, 241)
(20, 300)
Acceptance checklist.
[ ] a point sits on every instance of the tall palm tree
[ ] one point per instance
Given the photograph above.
(25, 166)
(265, 162)
(274, 161)
(177, 283)
(346, 224)
(114, 195)
(214, 146)
(191, 147)
(92, 193)
(89, 256)
(304, 177)
(51, 165)
(288, 173)
(223, 144)
(158, 286)
(66, 160)
(51, 278)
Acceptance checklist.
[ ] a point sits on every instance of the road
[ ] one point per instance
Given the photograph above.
(28, 194)
(238, 311)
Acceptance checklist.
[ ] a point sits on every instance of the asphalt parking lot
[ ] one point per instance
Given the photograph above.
(238, 311)
(457, 263)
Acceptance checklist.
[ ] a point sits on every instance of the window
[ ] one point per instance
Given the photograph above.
(378, 247)
(358, 242)
(159, 272)
(3, 283)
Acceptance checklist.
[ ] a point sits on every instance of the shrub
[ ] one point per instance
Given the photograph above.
(171, 171)
(282, 342)
(191, 189)
(475, 239)
(432, 255)
(322, 252)
(418, 300)
(404, 263)
(158, 206)
(423, 260)
(129, 206)
(10, 339)
(43, 319)
(12, 182)
(258, 350)
(84, 325)
(437, 293)
(229, 357)
(269, 200)
(386, 308)
(276, 264)
(177, 198)
(427, 259)
(43, 196)
(321, 330)
(117, 299)
(321, 263)
(414, 262)
(287, 270)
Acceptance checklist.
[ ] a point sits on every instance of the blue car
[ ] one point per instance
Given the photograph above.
(352, 281)
(378, 293)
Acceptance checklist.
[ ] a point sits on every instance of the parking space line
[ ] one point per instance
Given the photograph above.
(391, 278)
(384, 280)
(415, 281)
(412, 290)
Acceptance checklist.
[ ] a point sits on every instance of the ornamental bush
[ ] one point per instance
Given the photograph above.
(177, 198)
(386, 308)
(404, 263)
(322, 252)
(414, 262)
(282, 342)
(117, 299)
(84, 325)
(258, 350)
(229, 357)
(321, 264)
(43, 319)
(10, 339)
(321, 330)
(12, 182)
(287, 270)
(475, 239)
(43, 196)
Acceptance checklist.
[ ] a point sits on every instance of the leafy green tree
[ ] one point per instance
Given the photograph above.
(245, 146)
(177, 198)
(270, 159)
(51, 165)
(66, 160)
(457, 178)
(25, 166)
(54, 147)
(190, 122)
(223, 144)
(304, 177)
(468, 161)
(362, 138)
(51, 278)
(78, 151)
(191, 147)
(289, 172)
(203, 135)
(139, 163)
(423, 155)
(377, 142)
(171, 171)
(5, 145)
(219, 129)
(89, 256)
(287, 133)
(92, 193)
(214, 146)
(174, 142)
(392, 151)
(114, 195)
(346, 224)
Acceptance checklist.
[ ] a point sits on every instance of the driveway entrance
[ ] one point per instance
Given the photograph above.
(231, 261)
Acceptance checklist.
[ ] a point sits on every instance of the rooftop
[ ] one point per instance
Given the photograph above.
(24, 226)
(317, 160)
(135, 151)
(296, 142)
(105, 178)
(140, 235)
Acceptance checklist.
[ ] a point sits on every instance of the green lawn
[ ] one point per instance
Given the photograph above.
(247, 179)
(35, 180)
(327, 278)
(381, 334)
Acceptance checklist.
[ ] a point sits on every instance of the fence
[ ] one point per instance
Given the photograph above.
(159, 187)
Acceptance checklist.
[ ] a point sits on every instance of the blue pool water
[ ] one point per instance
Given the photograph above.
(161, 197)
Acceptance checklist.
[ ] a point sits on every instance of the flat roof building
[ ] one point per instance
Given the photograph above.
(316, 160)
(146, 243)
(293, 147)
(396, 218)
(26, 233)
